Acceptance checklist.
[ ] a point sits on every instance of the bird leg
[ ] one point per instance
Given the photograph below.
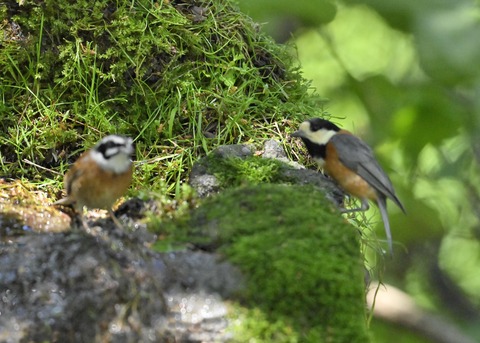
(364, 206)
(115, 219)
(84, 222)
(78, 210)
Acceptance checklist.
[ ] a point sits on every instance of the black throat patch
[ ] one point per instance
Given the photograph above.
(315, 150)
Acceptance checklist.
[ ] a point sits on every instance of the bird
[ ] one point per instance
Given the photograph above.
(100, 176)
(351, 163)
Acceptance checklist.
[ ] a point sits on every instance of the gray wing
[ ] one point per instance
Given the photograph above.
(356, 155)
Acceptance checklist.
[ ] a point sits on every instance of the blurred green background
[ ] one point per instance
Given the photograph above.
(405, 76)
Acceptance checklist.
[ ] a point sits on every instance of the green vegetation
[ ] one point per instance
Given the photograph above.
(301, 261)
(253, 170)
(236, 171)
(177, 77)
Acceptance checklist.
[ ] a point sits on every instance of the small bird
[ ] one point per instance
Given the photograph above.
(350, 162)
(100, 176)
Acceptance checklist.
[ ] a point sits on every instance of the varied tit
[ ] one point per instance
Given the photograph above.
(100, 176)
(351, 163)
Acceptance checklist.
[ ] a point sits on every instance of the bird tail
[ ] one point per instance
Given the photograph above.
(382, 205)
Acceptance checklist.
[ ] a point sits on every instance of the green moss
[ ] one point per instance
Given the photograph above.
(301, 259)
(251, 170)
(253, 325)
(236, 171)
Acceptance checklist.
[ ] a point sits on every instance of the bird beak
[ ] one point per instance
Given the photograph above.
(297, 134)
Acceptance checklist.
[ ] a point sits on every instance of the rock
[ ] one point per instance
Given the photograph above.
(204, 184)
(273, 149)
(77, 287)
(234, 150)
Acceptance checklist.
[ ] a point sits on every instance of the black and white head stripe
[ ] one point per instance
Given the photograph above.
(113, 145)
(319, 123)
(317, 131)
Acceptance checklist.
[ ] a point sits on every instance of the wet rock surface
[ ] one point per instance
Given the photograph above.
(107, 286)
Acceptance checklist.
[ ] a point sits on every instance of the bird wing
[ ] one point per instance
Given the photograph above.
(356, 155)
(70, 178)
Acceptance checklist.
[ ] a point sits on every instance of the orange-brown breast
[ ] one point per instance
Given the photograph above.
(347, 179)
(95, 187)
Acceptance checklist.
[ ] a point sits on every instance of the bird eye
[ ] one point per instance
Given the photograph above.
(315, 126)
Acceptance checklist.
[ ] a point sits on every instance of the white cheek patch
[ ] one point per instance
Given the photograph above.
(320, 137)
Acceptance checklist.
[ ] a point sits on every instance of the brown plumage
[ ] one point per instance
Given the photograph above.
(100, 176)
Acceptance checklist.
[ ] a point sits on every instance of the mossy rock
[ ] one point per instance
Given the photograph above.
(301, 260)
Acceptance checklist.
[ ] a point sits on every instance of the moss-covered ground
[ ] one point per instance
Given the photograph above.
(180, 77)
